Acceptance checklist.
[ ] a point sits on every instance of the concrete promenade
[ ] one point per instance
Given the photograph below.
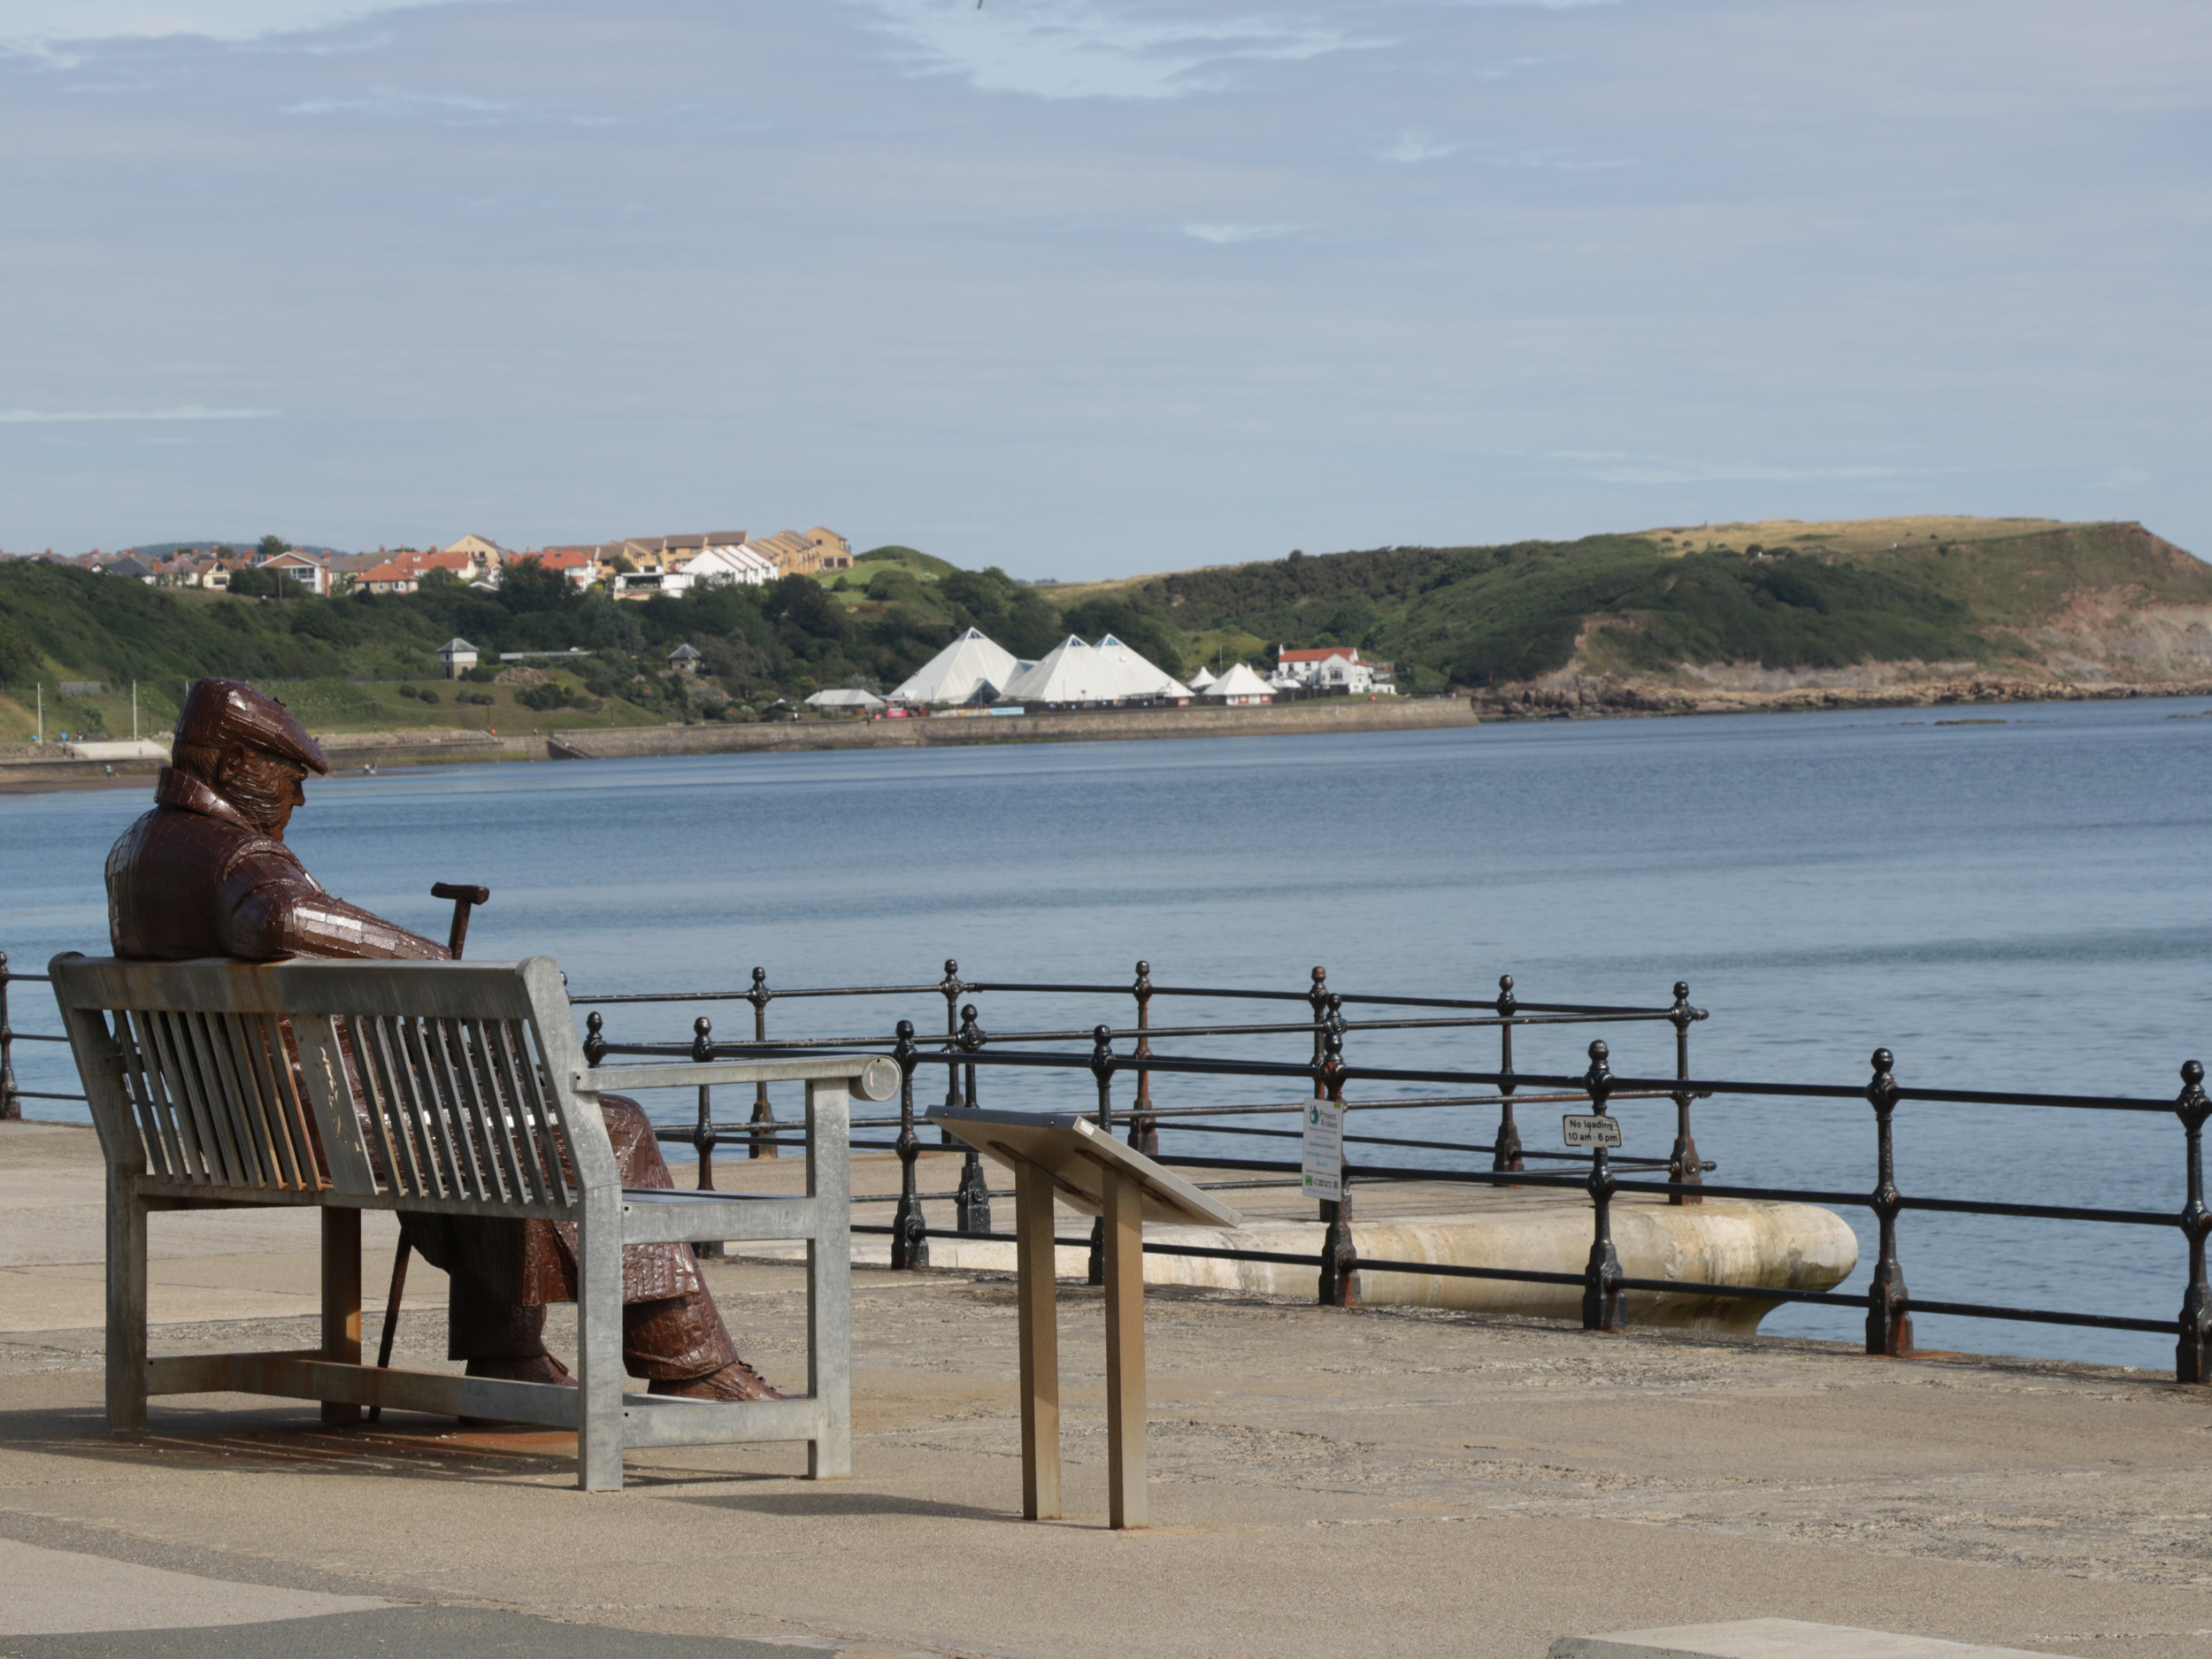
(24, 770)
(1393, 1481)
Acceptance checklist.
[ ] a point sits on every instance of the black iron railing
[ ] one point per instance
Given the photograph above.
(12, 1098)
(960, 1050)
(965, 1049)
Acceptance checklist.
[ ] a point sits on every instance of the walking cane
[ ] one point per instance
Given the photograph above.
(463, 898)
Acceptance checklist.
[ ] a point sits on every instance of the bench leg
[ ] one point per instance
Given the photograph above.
(599, 1417)
(341, 1300)
(829, 1283)
(126, 1309)
(1038, 1312)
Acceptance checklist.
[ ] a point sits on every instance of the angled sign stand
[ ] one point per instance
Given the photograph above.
(1066, 1156)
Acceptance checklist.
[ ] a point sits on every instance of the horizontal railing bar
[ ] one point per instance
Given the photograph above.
(1693, 1288)
(2041, 1212)
(744, 996)
(1256, 1109)
(1954, 1206)
(1004, 986)
(34, 1036)
(1388, 1140)
(32, 1093)
(2042, 1315)
(1615, 1087)
(1455, 1269)
(9, 976)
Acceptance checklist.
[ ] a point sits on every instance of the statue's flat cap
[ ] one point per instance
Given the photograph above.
(219, 712)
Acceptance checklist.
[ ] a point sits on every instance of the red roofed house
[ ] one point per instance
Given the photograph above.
(390, 577)
(1334, 668)
(575, 562)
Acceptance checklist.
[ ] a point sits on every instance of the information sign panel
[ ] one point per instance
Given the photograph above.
(1594, 1130)
(1321, 1154)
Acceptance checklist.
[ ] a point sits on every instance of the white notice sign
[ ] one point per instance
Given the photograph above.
(1322, 1155)
(1592, 1130)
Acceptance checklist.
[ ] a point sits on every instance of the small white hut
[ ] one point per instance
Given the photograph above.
(1239, 686)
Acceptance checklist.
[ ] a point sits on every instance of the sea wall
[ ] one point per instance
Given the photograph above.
(1390, 714)
(1720, 1242)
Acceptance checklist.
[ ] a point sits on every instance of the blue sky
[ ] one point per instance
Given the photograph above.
(1084, 288)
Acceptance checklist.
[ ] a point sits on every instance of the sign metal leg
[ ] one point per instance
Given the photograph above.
(1040, 1339)
(1124, 1353)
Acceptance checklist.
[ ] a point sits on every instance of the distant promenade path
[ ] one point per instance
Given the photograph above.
(1327, 1485)
(25, 769)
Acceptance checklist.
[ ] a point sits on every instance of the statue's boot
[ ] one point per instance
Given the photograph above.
(736, 1380)
(681, 1345)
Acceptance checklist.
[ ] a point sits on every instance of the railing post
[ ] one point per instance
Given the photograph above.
(703, 1131)
(973, 1205)
(950, 987)
(1339, 1256)
(2193, 1354)
(1888, 1325)
(1682, 1167)
(910, 1232)
(1103, 1069)
(1317, 999)
(1144, 1129)
(1604, 1304)
(1505, 1150)
(763, 1111)
(11, 1102)
(594, 1037)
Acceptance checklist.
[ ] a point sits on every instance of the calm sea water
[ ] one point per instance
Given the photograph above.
(2023, 904)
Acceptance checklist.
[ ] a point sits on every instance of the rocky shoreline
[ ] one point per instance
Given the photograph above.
(1602, 696)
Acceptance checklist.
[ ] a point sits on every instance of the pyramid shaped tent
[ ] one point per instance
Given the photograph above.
(1109, 672)
(1241, 684)
(1202, 678)
(955, 674)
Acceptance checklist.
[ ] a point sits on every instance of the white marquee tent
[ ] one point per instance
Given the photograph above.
(843, 698)
(1240, 685)
(1109, 671)
(953, 675)
(1202, 678)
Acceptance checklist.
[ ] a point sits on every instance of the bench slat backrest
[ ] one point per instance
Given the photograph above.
(442, 1085)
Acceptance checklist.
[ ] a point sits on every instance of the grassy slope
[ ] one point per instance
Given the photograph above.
(1830, 595)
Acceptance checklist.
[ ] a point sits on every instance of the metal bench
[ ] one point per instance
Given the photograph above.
(448, 1086)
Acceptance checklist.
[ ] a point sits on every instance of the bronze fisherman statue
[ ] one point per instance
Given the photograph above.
(206, 873)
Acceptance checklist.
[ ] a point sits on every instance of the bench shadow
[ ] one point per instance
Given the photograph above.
(831, 1504)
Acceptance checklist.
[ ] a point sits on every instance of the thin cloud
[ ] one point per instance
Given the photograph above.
(1415, 147)
(1223, 234)
(1076, 49)
(31, 24)
(183, 412)
(1747, 472)
(399, 101)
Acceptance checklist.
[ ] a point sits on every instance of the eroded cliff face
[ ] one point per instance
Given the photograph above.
(2126, 614)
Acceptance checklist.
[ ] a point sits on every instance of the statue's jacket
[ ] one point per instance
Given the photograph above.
(192, 878)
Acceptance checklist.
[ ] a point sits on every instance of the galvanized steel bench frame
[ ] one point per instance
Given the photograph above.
(474, 1098)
